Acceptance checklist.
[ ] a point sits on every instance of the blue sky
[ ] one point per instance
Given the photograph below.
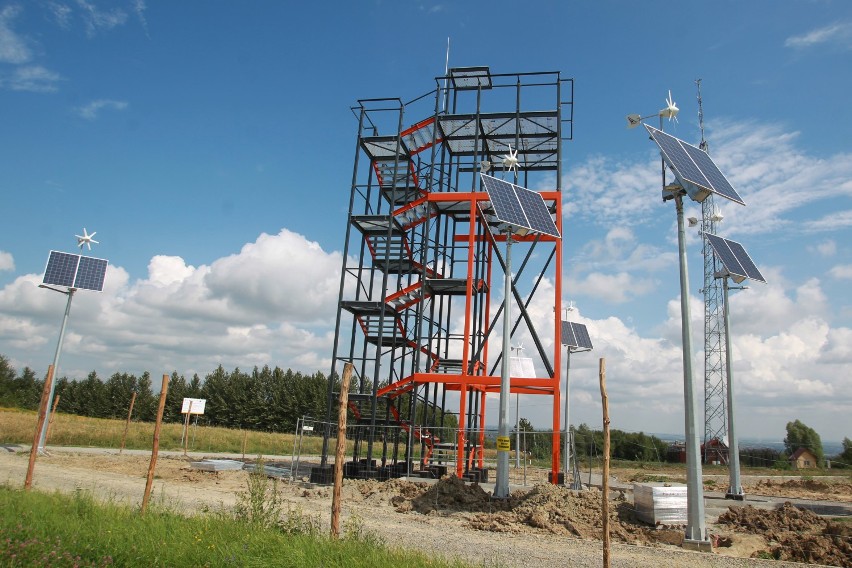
(210, 145)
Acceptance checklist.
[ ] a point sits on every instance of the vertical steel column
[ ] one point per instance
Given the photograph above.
(696, 532)
(501, 487)
(735, 490)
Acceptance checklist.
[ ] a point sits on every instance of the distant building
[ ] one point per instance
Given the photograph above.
(803, 458)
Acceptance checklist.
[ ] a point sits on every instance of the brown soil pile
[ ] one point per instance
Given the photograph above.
(794, 534)
(838, 490)
(546, 508)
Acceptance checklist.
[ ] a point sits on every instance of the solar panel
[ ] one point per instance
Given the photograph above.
(693, 167)
(519, 207)
(90, 274)
(537, 212)
(75, 271)
(734, 258)
(575, 335)
(61, 269)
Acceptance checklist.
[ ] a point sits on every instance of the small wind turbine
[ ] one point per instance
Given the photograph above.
(86, 239)
(510, 160)
(671, 109)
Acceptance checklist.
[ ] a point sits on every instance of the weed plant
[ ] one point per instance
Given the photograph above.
(56, 530)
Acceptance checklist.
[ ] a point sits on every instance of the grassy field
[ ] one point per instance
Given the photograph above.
(18, 427)
(38, 529)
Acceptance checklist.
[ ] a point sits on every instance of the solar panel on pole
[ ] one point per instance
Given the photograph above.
(692, 166)
(519, 207)
(507, 208)
(538, 215)
(734, 258)
(576, 335)
(90, 274)
(61, 269)
(75, 271)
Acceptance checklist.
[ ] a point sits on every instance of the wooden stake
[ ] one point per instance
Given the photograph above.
(52, 419)
(42, 415)
(156, 448)
(245, 439)
(127, 424)
(605, 484)
(340, 450)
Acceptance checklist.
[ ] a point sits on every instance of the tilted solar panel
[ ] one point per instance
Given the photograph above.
(507, 208)
(75, 271)
(90, 274)
(692, 166)
(576, 335)
(519, 206)
(734, 258)
(61, 269)
(538, 216)
(745, 261)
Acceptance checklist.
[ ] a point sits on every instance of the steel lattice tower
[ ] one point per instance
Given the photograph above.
(421, 290)
(715, 340)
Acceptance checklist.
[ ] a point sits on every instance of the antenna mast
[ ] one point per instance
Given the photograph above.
(715, 339)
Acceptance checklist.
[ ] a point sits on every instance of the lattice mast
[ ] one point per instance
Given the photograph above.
(715, 340)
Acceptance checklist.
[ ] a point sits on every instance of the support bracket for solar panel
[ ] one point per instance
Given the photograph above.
(672, 190)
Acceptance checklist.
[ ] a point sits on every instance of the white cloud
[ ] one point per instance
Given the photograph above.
(7, 262)
(826, 248)
(841, 272)
(13, 48)
(32, 78)
(91, 110)
(839, 33)
(96, 19)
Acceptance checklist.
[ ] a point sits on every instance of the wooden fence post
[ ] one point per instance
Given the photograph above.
(42, 416)
(156, 447)
(605, 483)
(340, 450)
(127, 424)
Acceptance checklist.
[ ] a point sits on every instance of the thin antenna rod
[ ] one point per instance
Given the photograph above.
(446, 72)
(703, 144)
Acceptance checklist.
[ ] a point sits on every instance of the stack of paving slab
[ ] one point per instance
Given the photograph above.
(660, 503)
(217, 465)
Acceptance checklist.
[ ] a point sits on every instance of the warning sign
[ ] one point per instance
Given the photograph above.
(503, 444)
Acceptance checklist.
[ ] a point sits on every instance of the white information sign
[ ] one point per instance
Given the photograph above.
(193, 406)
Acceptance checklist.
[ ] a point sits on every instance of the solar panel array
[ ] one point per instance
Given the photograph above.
(734, 258)
(75, 271)
(519, 207)
(575, 335)
(693, 166)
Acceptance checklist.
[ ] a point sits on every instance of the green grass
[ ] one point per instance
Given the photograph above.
(39, 529)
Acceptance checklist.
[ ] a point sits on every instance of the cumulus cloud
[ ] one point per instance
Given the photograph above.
(838, 33)
(841, 272)
(273, 302)
(7, 262)
(91, 110)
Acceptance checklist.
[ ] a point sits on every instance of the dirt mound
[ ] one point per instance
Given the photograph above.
(794, 534)
(545, 508)
(839, 490)
(450, 494)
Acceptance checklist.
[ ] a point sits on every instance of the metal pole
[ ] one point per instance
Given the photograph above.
(735, 490)
(518, 431)
(70, 294)
(501, 486)
(567, 451)
(696, 532)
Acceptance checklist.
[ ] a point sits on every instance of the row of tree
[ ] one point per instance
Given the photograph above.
(264, 399)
